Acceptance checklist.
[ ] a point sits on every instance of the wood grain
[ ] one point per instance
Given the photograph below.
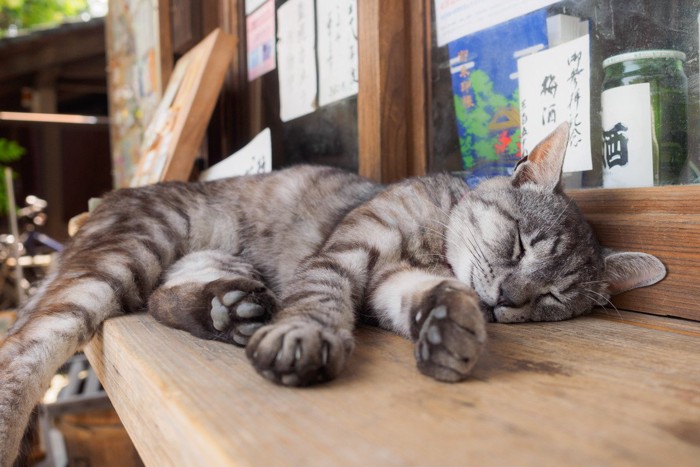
(608, 389)
(663, 221)
(382, 102)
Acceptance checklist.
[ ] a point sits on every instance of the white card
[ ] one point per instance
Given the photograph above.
(554, 88)
(252, 5)
(337, 49)
(458, 18)
(628, 159)
(296, 58)
(255, 157)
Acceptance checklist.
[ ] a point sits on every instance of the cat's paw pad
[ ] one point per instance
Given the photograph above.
(239, 308)
(449, 330)
(299, 352)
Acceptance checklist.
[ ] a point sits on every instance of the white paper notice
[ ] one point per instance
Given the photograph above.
(254, 158)
(554, 88)
(457, 18)
(252, 5)
(627, 137)
(296, 58)
(337, 49)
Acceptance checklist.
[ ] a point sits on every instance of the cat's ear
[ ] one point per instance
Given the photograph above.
(626, 270)
(542, 167)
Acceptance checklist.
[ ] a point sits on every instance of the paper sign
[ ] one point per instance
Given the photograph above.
(457, 18)
(555, 88)
(260, 33)
(254, 158)
(337, 49)
(627, 137)
(252, 5)
(296, 51)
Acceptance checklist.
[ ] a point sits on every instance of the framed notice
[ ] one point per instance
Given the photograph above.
(175, 133)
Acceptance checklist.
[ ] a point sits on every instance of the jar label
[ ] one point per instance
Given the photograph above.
(627, 137)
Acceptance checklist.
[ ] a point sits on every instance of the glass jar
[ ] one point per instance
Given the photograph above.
(660, 72)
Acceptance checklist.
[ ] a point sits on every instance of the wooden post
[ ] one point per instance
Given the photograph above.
(383, 90)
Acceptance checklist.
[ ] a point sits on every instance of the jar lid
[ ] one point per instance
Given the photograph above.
(642, 54)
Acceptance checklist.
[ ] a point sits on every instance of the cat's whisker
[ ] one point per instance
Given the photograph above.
(606, 300)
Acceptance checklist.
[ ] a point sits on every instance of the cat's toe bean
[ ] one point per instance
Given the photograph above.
(248, 310)
(248, 329)
(434, 336)
(439, 312)
(232, 297)
(240, 340)
(219, 316)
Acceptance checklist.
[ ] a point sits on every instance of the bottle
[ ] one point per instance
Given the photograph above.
(645, 118)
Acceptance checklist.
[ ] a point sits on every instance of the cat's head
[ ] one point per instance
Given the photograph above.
(525, 248)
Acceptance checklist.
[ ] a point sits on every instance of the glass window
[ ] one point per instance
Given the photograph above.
(623, 73)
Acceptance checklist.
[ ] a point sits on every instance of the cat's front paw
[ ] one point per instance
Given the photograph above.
(449, 331)
(299, 352)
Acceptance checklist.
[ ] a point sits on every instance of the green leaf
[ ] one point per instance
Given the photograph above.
(10, 151)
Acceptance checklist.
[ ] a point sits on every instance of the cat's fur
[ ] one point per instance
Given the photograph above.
(310, 250)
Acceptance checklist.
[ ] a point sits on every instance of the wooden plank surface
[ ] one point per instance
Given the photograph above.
(607, 389)
(663, 221)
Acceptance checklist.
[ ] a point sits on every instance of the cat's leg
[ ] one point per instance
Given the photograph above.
(438, 312)
(311, 337)
(213, 295)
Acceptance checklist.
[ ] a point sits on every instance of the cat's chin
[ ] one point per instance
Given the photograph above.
(506, 314)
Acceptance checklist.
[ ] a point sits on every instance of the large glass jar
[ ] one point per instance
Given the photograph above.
(644, 125)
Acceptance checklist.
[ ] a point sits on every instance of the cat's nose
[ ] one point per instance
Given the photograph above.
(511, 294)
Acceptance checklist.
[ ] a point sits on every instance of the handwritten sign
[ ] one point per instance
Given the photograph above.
(260, 34)
(296, 51)
(554, 88)
(336, 24)
(458, 18)
(255, 157)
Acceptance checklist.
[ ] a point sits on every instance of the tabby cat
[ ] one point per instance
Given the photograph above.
(285, 263)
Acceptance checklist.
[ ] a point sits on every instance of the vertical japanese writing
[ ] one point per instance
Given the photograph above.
(554, 87)
(575, 70)
(337, 51)
(523, 128)
(465, 85)
(549, 96)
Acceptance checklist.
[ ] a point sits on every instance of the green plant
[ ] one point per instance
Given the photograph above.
(25, 14)
(10, 151)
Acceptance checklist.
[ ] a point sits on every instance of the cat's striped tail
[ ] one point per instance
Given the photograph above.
(111, 267)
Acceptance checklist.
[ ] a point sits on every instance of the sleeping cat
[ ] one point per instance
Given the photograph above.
(285, 263)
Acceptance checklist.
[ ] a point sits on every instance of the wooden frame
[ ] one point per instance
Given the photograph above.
(176, 131)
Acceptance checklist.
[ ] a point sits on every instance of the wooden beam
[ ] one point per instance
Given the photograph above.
(382, 105)
(418, 22)
(52, 48)
(663, 221)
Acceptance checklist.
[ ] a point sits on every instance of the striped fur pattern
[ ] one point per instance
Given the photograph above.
(286, 263)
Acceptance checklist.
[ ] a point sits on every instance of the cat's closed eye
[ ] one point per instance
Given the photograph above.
(519, 245)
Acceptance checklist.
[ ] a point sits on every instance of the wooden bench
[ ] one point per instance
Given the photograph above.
(611, 388)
